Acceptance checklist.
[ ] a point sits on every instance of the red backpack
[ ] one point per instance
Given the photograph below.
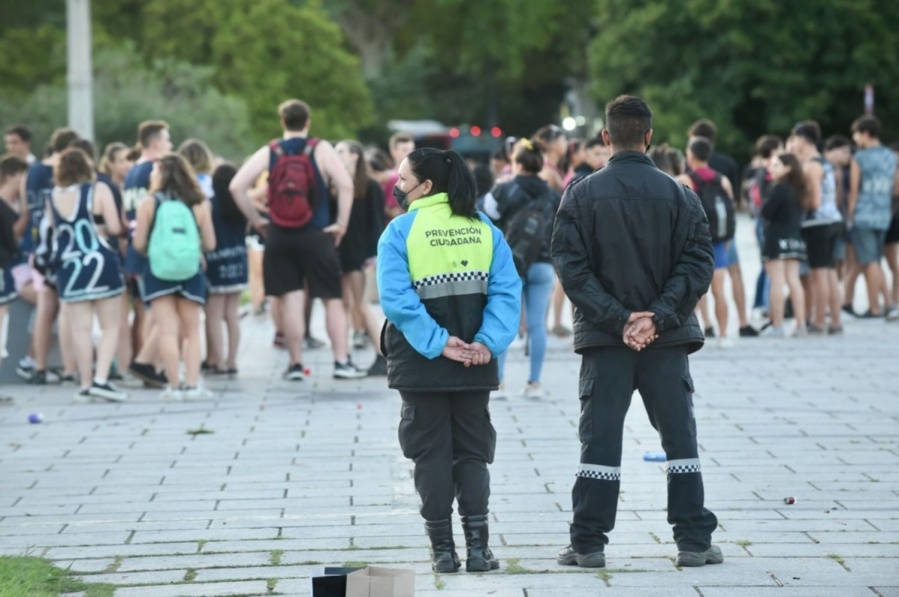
(292, 191)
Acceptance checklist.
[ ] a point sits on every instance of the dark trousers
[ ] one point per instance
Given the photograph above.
(449, 437)
(608, 378)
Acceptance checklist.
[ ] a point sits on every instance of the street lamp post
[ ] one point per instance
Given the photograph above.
(80, 71)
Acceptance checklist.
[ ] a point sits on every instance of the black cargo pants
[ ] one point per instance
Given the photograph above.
(609, 376)
(449, 437)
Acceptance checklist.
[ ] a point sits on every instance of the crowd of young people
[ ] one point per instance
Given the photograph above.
(78, 243)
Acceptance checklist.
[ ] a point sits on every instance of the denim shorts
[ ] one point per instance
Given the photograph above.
(868, 244)
(720, 250)
(732, 257)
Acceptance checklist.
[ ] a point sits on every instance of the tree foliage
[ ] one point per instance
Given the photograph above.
(265, 51)
(753, 67)
(127, 92)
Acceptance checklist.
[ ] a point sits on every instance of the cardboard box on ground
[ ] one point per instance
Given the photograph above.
(372, 581)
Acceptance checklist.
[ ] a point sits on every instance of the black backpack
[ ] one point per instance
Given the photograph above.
(525, 231)
(718, 206)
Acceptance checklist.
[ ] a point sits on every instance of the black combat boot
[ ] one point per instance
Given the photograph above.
(443, 548)
(480, 558)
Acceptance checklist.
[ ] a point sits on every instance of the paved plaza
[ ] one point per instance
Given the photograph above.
(256, 490)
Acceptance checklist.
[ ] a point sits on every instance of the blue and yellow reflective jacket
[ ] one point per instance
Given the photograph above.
(441, 275)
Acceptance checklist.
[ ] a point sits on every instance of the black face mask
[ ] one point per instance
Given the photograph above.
(400, 195)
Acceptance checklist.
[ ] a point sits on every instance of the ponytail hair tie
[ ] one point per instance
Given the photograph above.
(526, 143)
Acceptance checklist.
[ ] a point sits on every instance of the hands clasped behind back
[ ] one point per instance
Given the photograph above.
(640, 330)
(474, 353)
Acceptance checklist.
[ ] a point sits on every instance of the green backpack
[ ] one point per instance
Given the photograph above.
(174, 250)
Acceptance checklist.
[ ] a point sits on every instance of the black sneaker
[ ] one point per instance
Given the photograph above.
(295, 373)
(38, 377)
(747, 331)
(868, 315)
(68, 380)
(709, 332)
(848, 310)
(107, 391)
(378, 368)
(147, 373)
(347, 371)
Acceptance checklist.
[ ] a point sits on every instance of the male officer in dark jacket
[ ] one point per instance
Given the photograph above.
(632, 249)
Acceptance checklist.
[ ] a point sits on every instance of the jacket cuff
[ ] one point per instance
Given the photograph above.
(665, 321)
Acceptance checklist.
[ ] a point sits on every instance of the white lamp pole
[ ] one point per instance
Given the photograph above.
(80, 71)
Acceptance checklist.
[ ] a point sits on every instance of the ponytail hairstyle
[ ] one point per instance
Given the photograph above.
(450, 174)
(361, 175)
(529, 155)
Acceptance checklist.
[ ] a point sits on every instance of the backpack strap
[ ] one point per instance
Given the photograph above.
(157, 198)
(697, 182)
(276, 149)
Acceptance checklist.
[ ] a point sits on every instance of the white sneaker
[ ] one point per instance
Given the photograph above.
(725, 342)
(196, 393)
(893, 313)
(533, 390)
(499, 393)
(773, 332)
(171, 394)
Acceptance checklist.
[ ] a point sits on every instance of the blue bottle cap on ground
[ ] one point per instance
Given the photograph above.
(654, 457)
(35, 418)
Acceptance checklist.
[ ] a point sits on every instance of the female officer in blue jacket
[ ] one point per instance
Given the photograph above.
(452, 298)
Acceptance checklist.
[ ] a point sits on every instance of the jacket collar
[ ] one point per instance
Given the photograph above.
(429, 201)
(630, 156)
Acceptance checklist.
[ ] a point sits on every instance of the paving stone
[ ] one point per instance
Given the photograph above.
(315, 474)
(196, 590)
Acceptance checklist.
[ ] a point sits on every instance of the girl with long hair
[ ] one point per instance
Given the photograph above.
(359, 247)
(226, 275)
(176, 304)
(89, 271)
(784, 247)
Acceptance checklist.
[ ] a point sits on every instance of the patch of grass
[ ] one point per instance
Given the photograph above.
(355, 564)
(200, 431)
(36, 577)
(270, 584)
(439, 583)
(839, 560)
(190, 575)
(513, 567)
(743, 543)
(116, 564)
(201, 544)
(605, 575)
(275, 559)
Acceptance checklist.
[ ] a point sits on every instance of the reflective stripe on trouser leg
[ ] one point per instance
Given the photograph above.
(606, 386)
(665, 384)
